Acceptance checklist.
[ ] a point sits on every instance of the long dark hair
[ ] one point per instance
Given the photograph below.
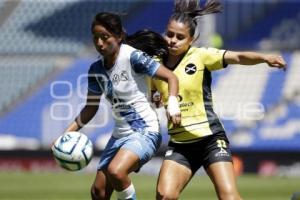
(148, 41)
(186, 12)
(185, 5)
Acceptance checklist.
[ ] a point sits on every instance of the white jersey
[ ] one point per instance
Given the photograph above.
(125, 87)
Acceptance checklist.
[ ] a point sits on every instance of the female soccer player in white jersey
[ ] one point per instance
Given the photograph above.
(120, 75)
(200, 139)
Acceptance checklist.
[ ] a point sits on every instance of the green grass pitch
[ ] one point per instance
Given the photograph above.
(75, 186)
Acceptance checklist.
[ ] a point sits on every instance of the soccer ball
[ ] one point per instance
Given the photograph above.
(72, 151)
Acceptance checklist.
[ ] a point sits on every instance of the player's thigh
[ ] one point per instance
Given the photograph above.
(143, 145)
(223, 177)
(124, 162)
(136, 151)
(173, 177)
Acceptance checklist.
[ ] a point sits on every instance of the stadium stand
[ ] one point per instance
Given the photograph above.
(284, 36)
(258, 106)
(19, 74)
(15, 39)
(35, 30)
(267, 25)
(37, 39)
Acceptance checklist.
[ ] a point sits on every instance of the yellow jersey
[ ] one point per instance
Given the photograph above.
(198, 118)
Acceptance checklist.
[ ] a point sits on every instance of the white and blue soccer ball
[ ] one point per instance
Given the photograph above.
(72, 150)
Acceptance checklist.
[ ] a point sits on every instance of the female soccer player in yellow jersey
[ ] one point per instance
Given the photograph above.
(200, 139)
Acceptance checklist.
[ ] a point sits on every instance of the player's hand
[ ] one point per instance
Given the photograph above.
(173, 111)
(276, 61)
(175, 119)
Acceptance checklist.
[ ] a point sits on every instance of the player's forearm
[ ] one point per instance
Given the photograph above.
(166, 75)
(244, 58)
(86, 114)
(73, 127)
(173, 86)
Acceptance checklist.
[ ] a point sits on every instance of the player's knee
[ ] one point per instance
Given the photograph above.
(166, 195)
(116, 173)
(96, 193)
(230, 197)
(229, 193)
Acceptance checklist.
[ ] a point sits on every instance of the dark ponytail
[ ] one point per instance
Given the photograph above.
(211, 6)
(150, 42)
(185, 5)
(187, 11)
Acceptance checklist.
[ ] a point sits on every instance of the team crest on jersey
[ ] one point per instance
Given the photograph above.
(120, 77)
(190, 69)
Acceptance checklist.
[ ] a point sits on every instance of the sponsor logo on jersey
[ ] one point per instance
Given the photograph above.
(186, 104)
(179, 97)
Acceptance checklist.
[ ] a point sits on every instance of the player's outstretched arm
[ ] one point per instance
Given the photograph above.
(87, 113)
(173, 109)
(253, 58)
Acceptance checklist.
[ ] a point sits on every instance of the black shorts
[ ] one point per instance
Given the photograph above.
(210, 149)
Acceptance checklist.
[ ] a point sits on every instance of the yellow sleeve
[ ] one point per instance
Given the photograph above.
(213, 59)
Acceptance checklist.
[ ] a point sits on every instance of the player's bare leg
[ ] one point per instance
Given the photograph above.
(101, 188)
(173, 177)
(224, 180)
(119, 169)
(122, 164)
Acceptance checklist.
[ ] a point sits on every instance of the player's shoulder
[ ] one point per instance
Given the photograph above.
(203, 51)
(126, 52)
(196, 51)
(139, 57)
(134, 53)
(96, 66)
(126, 49)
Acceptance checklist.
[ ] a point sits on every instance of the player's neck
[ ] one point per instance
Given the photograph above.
(174, 60)
(109, 61)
